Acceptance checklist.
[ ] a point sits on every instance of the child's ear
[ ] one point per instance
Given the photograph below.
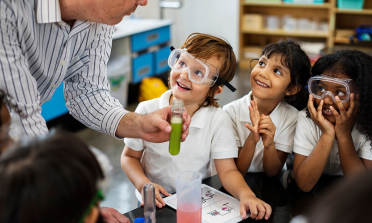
(219, 90)
(292, 90)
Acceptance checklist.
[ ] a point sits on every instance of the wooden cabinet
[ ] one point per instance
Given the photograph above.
(335, 18)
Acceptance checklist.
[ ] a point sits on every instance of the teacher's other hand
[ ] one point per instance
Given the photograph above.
(111, 215)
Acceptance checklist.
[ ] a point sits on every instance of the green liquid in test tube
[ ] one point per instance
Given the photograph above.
(176, 123)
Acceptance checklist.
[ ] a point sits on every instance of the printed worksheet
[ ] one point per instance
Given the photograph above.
(217, 207)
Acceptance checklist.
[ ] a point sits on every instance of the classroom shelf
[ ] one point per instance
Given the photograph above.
(285, 33)
(355, 11)
(286, 5)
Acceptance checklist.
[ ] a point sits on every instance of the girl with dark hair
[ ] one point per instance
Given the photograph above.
(334, 135)
(264, 132)
(50, 179)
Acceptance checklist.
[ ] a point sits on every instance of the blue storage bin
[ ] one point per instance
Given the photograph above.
(56, 106)
(144, 40)
(161, 60)
(143, 66)
(350, 4)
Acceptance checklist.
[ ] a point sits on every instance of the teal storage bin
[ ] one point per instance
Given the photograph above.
(56, 106)
(350, 4)
(143, 66)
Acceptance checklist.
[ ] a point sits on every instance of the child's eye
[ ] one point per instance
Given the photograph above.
(321, 89)
(199, 73)
(261, 63)
(278, 72)
(180, 64)
(340, 93)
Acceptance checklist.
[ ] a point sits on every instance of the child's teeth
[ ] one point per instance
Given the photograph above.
(263, 85)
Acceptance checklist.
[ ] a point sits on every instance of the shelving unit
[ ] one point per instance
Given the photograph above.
(336, 19)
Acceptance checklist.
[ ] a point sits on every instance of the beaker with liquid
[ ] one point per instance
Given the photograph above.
(188, 197)
(176, 123)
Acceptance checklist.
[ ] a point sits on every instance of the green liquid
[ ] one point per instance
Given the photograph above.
(175, 136)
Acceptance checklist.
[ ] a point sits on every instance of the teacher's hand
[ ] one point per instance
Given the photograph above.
(153, 127)
(111, 215)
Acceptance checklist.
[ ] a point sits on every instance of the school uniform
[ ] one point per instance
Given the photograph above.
(308, 134)
(284, 117)
(210, 137)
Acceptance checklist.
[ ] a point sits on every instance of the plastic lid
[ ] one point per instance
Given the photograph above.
(177, 105)
(139, 220)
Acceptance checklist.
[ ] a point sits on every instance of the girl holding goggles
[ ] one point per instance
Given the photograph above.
(333, 136)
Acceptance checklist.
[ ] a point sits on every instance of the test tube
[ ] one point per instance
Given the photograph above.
(149, 200)
(176, 123)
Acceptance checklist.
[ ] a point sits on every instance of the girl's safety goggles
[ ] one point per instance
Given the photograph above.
(322, 85)
(198, 72)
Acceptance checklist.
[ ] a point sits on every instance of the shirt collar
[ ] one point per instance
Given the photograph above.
(244, 111)
(197, 120)
(48, 11)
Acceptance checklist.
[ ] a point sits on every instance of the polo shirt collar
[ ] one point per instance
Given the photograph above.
(244, 111)
(48, 11)
(198, 119)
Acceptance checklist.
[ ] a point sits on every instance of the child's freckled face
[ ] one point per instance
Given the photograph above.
(183, 88)
(328, 101)
(270, 78)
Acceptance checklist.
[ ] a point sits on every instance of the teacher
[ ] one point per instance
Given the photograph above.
(45, 42)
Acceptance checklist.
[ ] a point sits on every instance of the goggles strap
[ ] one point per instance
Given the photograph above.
(219, 81)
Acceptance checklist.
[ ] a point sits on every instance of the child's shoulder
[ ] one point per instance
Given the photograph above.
(288, 109)
(235, 105)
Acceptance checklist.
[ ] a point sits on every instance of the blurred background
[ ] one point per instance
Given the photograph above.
(138, 69)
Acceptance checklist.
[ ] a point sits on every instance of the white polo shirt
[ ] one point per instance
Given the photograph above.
(284, 117)
(308, 134)
(210, 137)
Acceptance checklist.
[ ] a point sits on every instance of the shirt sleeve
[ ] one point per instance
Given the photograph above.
(365, 150)
(305, 139)
(135, 143)
(232, 114)
(223, 141)
(87, 93)
(15, 77)
(284, 139)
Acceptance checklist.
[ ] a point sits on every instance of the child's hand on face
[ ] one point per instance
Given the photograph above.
(316, 115)
(346, 119)
(258, 208)
(267, 130)
(255, 119)
(158, 199)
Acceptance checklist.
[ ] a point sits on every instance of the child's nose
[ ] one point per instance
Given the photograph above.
(263, 73)
(328, 100)
(185, 75)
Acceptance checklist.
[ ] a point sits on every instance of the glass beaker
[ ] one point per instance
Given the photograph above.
(188, 197)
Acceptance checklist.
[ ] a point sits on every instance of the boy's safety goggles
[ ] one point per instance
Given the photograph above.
(322, 85)
(198, 71)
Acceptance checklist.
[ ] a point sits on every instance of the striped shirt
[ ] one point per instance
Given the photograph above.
(38, 51)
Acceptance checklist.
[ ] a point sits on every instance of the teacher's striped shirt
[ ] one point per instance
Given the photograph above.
(38, 51)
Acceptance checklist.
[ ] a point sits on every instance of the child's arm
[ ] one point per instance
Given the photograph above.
(273, 159)
(308, 170)
(130, 162)
(246, 153)
(350, 161)
(235, 184)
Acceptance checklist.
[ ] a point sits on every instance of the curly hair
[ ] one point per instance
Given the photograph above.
(205, 46)
(298, 63)
(357, 66)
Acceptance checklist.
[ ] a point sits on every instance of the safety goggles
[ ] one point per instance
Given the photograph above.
(198, 72)
(322, 85)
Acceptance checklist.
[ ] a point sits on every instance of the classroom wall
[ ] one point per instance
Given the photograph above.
(216, 17)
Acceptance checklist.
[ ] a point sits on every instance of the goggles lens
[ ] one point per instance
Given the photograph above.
(198, 71)
(321, 86)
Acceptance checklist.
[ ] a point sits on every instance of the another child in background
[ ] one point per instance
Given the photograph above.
(333, 136)
(51, 179)
(210, 133)
(264, 132)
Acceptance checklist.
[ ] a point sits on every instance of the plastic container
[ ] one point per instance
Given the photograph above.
(350, 4)
(118, 75)
(188, 197)
(272, 22)
(176, 123)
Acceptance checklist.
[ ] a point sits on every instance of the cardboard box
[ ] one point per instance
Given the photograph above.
(252, 22)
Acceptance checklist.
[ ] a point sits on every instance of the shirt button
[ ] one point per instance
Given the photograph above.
(63, 63)
(53, 85)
